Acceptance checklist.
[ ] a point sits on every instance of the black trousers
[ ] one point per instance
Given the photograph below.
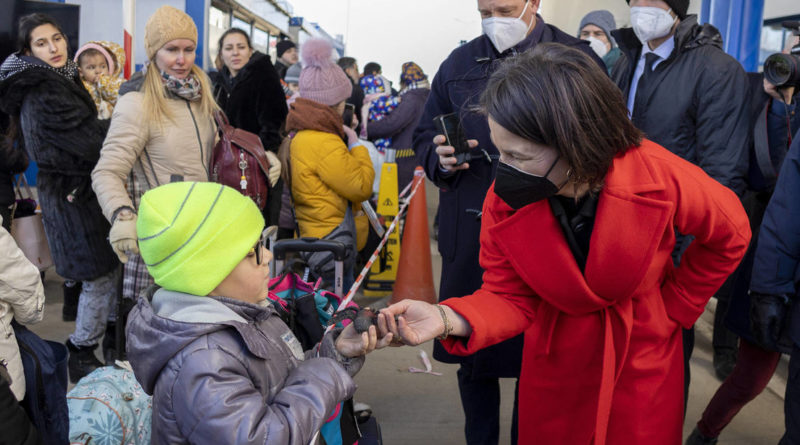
(5, 212)
(791, 407)
(480, 399)
(723, 339)
(688, 348)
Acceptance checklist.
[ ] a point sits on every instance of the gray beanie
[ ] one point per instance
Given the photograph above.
(603, 20)
(293, 73)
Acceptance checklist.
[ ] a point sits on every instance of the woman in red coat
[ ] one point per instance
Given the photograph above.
(576, 244)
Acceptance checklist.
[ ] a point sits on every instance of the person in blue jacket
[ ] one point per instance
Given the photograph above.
(774, 119)
(773, 287)
(510, 27)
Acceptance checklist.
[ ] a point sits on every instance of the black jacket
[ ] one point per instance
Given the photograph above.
(457, 86)
(696, 103)
(14, 422)
(357, 101)
(771, 144)
(13, 160)
(61, 133)
(254, 100)
(281, 68)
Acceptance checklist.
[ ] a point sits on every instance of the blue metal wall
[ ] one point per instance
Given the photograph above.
(739, 22)
(196, 9)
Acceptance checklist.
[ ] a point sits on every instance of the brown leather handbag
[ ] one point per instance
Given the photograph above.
(239, 161)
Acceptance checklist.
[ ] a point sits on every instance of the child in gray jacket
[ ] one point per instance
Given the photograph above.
(221, 367)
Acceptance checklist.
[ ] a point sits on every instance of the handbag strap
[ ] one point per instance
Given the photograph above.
(761, 147)
(21, 180)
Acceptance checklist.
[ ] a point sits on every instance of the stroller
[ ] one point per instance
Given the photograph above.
(308, 309)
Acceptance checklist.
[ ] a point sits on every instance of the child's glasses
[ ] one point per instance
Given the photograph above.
(262, 242)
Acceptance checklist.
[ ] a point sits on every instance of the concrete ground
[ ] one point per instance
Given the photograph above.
(426, 409)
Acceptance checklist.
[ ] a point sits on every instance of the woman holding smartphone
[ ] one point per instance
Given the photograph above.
(328, 169)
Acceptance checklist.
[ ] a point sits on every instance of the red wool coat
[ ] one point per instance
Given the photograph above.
(602, 362)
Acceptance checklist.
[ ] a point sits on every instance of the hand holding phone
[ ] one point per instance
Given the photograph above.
(347, 116)
(454, 148)
(450, 126)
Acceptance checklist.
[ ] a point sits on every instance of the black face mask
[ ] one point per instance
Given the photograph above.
(518, 188)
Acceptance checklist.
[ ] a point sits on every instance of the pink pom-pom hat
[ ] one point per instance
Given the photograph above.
(322, 80)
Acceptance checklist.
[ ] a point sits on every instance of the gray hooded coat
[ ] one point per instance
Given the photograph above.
(225, 371)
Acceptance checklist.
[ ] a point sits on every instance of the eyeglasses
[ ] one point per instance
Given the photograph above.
(262, 242)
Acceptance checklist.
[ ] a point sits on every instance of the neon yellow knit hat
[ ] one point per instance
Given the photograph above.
(193, 234)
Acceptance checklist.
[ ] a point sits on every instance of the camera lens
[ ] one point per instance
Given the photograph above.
(778, 69)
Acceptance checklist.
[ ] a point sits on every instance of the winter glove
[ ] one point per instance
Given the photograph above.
(123, 235)
(767, 313)
(274, 172)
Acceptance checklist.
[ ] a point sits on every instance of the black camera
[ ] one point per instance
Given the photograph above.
(783, 70)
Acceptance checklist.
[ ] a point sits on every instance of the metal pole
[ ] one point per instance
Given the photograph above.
(129, 25)
(752, 24)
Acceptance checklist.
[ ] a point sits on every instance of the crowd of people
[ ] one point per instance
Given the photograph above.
(621, 178)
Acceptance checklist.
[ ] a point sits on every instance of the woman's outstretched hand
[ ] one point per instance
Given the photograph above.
(417, 323)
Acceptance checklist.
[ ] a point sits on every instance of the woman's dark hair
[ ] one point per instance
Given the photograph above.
(26, 26)
(558, 96)
(229, 32)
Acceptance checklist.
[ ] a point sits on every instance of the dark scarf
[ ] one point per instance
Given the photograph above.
(18, 63)
(305, 114)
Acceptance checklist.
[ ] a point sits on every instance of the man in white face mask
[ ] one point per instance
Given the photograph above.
(510, 27)
(689, 96)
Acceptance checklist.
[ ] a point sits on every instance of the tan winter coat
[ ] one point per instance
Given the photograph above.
(21, 298)
(155, 154)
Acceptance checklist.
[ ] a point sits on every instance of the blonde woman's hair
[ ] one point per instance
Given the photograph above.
(155, 94)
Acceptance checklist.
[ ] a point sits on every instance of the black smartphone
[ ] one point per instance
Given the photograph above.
(347, 116)
(450, 126)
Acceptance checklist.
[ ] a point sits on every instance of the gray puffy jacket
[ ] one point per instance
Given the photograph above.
(224, 371)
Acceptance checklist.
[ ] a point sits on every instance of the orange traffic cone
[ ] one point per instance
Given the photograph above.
(414, 272)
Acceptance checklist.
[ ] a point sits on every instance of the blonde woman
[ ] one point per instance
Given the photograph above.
(161, 132)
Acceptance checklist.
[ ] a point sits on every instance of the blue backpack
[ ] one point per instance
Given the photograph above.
(109, 406)
(45, 366)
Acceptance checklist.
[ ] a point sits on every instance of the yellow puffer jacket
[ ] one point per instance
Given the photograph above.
(325, 176)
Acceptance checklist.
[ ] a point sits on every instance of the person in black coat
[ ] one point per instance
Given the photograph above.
(695, 103)
(15, 424)
(350, 67)
(773, 288)
(402, 121)
(55, 119)
(12, 161)
(773, 120)
(686, 94)
(287, 54)
(461, 79)
(249, 91)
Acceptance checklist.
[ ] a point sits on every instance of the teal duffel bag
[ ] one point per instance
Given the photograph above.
(109, 406)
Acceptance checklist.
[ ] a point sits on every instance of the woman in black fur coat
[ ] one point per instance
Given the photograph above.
(56, 120)
(249, 91)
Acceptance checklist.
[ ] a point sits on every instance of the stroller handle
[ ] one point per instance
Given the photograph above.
(307, 244)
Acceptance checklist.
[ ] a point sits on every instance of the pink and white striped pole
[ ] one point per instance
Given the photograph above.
(129, 24)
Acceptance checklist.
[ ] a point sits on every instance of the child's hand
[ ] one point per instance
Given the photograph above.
(352, 344)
